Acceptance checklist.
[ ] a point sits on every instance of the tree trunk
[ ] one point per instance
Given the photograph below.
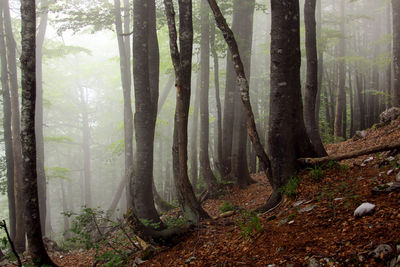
(311, 90)
(396, 52)
(352, 131)
(19, 240)
(182, 61)
(145, 70)
(194, 168)
(39, 113)
(286, 109)
(389, 51)
(217, 99)
(30, 181)
(65, 209)
(205, 168)
(341, 94)
(320, 62)
(87, 178)
(124, 62)
(243, 85)
(7, 127)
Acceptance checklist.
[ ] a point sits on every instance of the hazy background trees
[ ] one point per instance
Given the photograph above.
(88, 135)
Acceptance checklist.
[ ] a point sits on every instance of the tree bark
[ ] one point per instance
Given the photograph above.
(39, 113)
(182, 61)
(87, 178)
(396, 52)
(145, 75)
(286, 109)
(205, 168)
(30, 184)
(243, 85)
(217, 98)
(341, 94)
(389, 51)
(124, 62)
(311, 91)
(194, 143)
(7, 126)
(19, 240)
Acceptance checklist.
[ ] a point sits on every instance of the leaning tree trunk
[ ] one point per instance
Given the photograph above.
(19, 240)
(39, 113)
(396, 52)
(182, 61)
(30, 185)
(240, 169)
(205, 168)
(146, 97)
(7, 127)
(311, 90)
(243, 85)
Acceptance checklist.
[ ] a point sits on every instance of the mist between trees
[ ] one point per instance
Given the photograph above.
(138, 104)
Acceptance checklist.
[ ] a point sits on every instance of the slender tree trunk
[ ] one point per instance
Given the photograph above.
(311, 91)
(39, 112)
(7, 127)
(341, 94)
(19, 240)
(217, 98)
(65, 210)
(396, 52)
(351, 106)
(205, 168)
(389, 50)
(124, 55)
(87, 176)
(30, 181)
(182, 61)
(320, 61)
(194, 170)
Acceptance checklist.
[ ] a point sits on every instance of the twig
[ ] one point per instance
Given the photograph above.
(4, 225)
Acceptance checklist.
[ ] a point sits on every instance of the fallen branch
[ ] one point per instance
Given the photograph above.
(4, 226)
(354, 154)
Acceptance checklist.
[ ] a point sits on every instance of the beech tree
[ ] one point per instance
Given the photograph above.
(30, 179)
(182, 61)
(311, 90)
(145, 74)
(396, 52)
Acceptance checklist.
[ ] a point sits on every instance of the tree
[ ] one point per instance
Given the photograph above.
(145, 74)
(30, 183)
(19, 240)
(7, 126)
(205, 168)
(396, 52)
(340, 115)
(182, 61)
(39, 112)
(242, 11)
(311, 90)
(285, 145)
(87, 175)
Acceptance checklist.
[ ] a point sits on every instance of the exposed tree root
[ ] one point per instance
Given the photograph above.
(354, 154)
(274, 200)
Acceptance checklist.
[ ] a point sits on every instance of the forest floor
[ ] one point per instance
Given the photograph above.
(315, 225)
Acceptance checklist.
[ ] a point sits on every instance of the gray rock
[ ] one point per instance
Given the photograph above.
(381, 251)
(386, 188)
(368, 160)
(364, 209)
(389, 172)
(389, 115)
(359, 135)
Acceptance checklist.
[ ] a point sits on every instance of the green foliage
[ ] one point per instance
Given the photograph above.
(316, 173)
(332, 164)
(57, 173)
(290, 188)
(174, 222)
(250, 224)
(150, 223)
(3, 176)
(92, 229)
(226, 206)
